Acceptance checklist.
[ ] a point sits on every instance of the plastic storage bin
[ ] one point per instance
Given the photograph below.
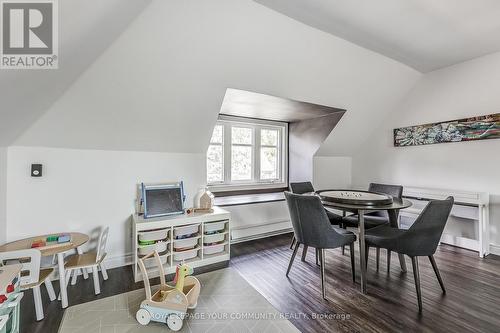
(215, 238)
(180, 232)
(185, 255)
(183, 243)
(147, 249)
(154, 235)
(151, 262)
(213, 249)
(214, 227)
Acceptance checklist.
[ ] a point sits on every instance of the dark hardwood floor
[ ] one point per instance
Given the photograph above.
(472, 302)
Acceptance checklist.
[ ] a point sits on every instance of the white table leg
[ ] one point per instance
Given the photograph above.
(62, 280)
(362, 249)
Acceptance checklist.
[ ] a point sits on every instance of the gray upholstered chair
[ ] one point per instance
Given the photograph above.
(307, 187)
(312, 227)
(420, 240)
(377, 218)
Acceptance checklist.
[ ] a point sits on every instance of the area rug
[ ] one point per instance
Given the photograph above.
(227, 303)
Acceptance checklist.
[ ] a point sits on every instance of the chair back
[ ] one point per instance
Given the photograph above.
(423, 236)
(30, 261)
(395, 191)
(101, 245)
(311, 225)
(301, 188)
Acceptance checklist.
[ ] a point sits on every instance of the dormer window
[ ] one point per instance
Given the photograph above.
(247, 154)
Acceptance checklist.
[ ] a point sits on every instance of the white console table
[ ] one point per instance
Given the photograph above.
(169, 225)
(469, 206)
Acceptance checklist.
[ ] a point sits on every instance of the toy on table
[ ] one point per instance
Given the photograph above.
(170, 303)
(51, 241)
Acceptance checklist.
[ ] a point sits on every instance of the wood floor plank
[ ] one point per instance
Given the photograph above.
(471, 304)
(472, 301)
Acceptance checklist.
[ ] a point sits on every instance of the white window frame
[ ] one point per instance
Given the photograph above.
(255, 183)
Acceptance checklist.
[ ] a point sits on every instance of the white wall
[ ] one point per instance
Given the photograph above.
(468, 89)
(84, 189)
(159, 88)
(3, 194)
(160, 85)
(332, 172)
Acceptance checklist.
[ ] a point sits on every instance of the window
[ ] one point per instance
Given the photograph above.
(247, 154)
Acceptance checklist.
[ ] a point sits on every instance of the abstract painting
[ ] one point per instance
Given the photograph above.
(467, 129)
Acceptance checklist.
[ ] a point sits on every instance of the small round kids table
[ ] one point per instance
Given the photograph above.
(77, 240)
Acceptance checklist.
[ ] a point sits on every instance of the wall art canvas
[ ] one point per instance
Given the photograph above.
(467, 129)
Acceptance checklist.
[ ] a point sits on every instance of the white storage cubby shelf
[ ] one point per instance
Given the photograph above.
(198, 239)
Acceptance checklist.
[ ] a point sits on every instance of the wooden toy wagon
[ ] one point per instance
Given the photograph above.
(169, 304)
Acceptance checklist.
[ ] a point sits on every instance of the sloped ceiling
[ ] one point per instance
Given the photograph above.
(242, 103)
(86, 29)
(424, 34)
(160, 86)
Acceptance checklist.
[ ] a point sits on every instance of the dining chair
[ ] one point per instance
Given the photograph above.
(312, 227)
(307, 187)
(31, 275)
(376, 218)
(91, 260)
(420, 240)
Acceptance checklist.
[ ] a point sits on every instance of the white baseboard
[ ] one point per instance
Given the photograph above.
(119, 261)
(495, 249)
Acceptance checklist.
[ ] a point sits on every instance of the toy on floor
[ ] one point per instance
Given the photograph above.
(170, 303)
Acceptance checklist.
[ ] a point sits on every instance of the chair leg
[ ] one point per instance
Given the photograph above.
(416, 275)
(436, 270)
(342, 225)
(103, 271)
(292, 258)
(353, 263)
(322, 270)
(37, 296)
(293, 242)
(317, 257)
(85, 273)
(50, 289)
(68, 275)
(388, 261)
(367, 252)
(304, 253)
(378, 258)
(95, 276)
(75, 277)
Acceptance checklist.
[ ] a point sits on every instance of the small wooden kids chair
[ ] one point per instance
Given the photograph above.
(31, 275)
(90, 260)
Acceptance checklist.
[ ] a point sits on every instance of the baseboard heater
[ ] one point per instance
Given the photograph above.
(260, 230)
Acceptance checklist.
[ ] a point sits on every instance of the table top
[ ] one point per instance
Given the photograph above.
(395, 205)
(353, 197)
(77, 239)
